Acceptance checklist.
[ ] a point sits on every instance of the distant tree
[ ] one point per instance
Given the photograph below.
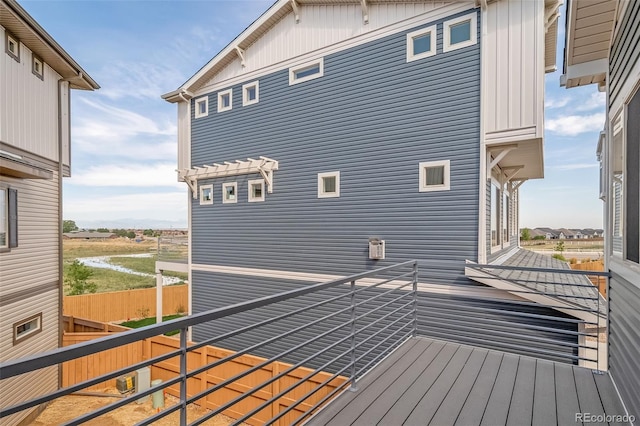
(148, 233)
(559, 247)
(120, 232)
(103, 230)
(78, 279)
(69, 225)
(131, 234)
(525, 235)
(539, 237)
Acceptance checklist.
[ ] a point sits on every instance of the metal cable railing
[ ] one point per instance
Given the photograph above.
(373, 313)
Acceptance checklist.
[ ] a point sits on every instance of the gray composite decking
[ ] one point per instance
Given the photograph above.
(431, 382)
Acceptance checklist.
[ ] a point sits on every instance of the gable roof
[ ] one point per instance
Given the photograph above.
(282, 8)
(18, 22)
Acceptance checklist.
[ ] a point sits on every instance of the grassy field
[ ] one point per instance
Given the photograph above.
(569, 245)
(108, 280)
(149, 321)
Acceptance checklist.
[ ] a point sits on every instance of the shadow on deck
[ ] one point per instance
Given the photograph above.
(431, 382)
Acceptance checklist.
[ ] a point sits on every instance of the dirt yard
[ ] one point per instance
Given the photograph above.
(72, 406)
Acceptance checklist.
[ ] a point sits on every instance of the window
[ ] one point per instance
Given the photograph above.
(202, 107)
(12, 46)
(306, 72)
(206, 194)
(421, 44)
(4, 219)
(229, 193)
(8, 219)
(256, 190)
(434, 176)
(618, 177)
(37, 67)
(250, 93)
(632, 190)
(26, 328)
(460, 32)
(328, 185)
(225, 100)
(506, 217)
(495, 215)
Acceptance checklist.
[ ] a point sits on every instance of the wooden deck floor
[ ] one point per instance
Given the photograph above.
(430, 382)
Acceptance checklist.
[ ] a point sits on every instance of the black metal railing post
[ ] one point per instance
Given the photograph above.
(353, 386)
(415, 299)
(183, 376)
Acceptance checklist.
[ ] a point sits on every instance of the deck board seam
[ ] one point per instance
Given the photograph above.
(495, 379)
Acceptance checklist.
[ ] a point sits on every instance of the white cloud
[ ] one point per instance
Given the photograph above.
(573, 125)
(556, 102)
(130, 175)
(596, 100)
(136, 80)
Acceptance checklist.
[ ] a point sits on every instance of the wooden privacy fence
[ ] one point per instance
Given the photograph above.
(94, 365)
(124, 305)
(595, 265)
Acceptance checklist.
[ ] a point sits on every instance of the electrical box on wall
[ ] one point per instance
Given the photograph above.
(376, 248)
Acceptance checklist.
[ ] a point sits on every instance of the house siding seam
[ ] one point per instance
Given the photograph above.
(625, 52)
(624, 340)
(362, 119)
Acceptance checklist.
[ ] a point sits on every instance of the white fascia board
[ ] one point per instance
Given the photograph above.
(586, 69)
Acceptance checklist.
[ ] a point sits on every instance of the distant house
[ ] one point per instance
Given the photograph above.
(36, 78)
(550, 234)
(88, 235)
(602, 39)
(578, 235)
(565, 234)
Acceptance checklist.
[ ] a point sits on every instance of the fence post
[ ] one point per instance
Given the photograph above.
(415, 298)
(183, 376)
(353, 386)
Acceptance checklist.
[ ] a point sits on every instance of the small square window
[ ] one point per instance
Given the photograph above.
(4, 219)
(27, 328)
(434, 176)
(37, 67)
(12, 46)
(460, 32)
(250, 93)
(256, 190)
(328, 185)
(229, 192)
(202, 107)
(306, 72)
(206, 194)
(421, 43)
(225, 100)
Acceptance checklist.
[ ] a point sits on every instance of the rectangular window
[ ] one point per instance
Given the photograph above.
(256, 190)
(4, 219)
(225, 100)
(229, 193)
(37, 67)
(618, 177)
(202, 107)
(27, 328)
(12, 46)
(506, 217)
(250, 93)
(328, 185)
(460, 32)
(632, 191)
(306, 72)
(434, 176)
(421, 43)
(206, 194)
(495, 215)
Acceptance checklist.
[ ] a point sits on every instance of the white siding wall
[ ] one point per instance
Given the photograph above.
(514, 75)
(28, 105)
(287, 39)
(184, 135)
(33, 265)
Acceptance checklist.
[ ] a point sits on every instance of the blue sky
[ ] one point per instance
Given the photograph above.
(124, 135)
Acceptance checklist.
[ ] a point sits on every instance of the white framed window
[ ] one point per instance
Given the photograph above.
(329, 185)
(27, 328)
(256, 190)
(12, 46)
(307, 71)
(225, 100)
(250, 93)
(37, 67)
(496, 218)
(206, 195)
(435, 176)
(4, 219)
(421, 43)
(202, 107)
(229, 193)
(459, 32)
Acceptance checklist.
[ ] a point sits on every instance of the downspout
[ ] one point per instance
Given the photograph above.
(60, 218)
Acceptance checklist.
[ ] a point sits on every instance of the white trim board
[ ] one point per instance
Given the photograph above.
(424, 18)
(318, 278)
